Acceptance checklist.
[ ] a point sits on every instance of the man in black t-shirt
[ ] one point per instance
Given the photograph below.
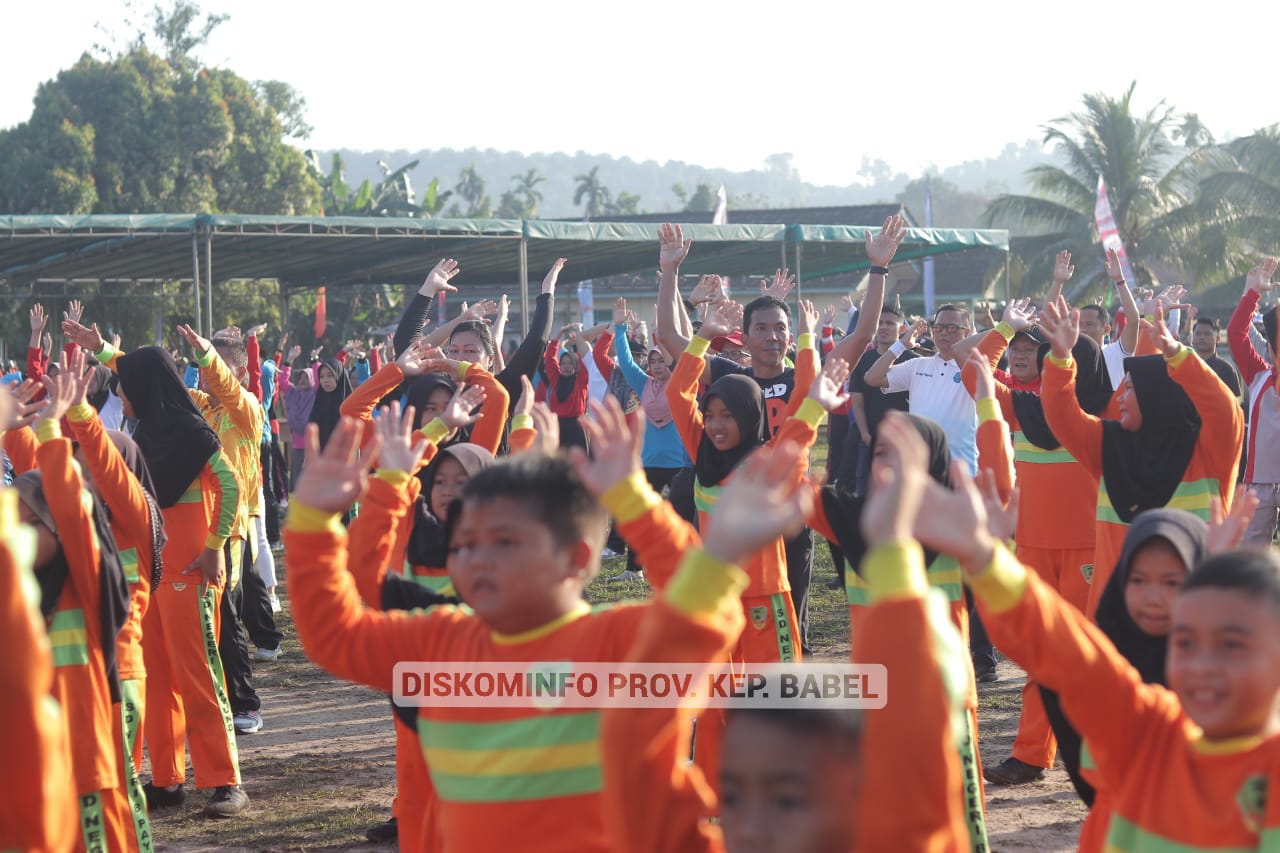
(867, 405)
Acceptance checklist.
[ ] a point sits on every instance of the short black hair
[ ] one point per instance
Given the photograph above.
(836, 726)
(550, 489)
(889, 309)
(1256, 573)
(233, 352)
(1212, 322)
(762, 303)
(481, 331)
(1104, 316)
(959, 309)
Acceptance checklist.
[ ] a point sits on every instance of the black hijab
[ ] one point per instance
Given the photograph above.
(428, 545)
(843, 508)
(1187, 534)
(133, 460)
(326, 411)
(568, 381)
(175, 440)
(1143, 469)
(1093, 392)
(742, 397)
(106, 381)
(418, 393)
(113, 591)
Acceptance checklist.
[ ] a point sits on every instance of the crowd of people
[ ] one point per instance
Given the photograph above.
(1061, 485)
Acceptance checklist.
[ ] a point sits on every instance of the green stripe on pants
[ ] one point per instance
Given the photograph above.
(208, 606)
(92, 827)
(975, 818)
(782, 627)
(130, 705)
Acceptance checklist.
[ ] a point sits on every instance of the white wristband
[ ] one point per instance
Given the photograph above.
(897, 348)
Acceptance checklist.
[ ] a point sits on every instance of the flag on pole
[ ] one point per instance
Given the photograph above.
(1108, 233)
(721, 216)
(443, 316)
(586, 301)
(322, 319)
(930, 283)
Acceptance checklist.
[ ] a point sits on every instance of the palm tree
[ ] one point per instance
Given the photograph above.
(526, 188)
(1153, 186)
(470, 188)
(595, 193)
(1251, 190)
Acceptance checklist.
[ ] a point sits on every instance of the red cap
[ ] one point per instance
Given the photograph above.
(721, 343)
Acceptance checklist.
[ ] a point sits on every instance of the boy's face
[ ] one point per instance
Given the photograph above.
(783, 790)
(1224, 662)
(506, 565)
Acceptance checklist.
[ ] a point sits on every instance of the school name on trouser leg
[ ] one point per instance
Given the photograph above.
(595, 684)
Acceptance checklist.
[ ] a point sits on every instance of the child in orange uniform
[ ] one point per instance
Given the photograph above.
(526, 542)
(1176, 442)
(39, 812)
(1188, 767)
(807, 780)
(85, 602)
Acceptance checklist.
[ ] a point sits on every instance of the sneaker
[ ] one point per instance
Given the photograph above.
(986, 674)
(384, 833)
(227, 801)
(1011, 771)
(161, 797)
(247, 722)
(628, 575)
(276, 606)
(609, 552)
(266, 655)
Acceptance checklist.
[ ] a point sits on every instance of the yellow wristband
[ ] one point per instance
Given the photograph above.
(628, 499)
(307, 519)
(703, 583)
(811, 411)
(698, 346)
(1178, 357)
(1001, 584)
(436, 431)
(463, 368)
(988, 410)
(521, 422)
(393, 476)
(1058, 362)
(206, 358)
(48, 430)
(81, 412)
(895, 570)
(805, 341)
(1005, 329)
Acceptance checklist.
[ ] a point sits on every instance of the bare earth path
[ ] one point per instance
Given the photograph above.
(322, 769)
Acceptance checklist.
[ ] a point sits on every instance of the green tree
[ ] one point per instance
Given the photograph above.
(526, 189)
(591, 194)
(1153, 187)
(952, 207)
(137, 132)
(702, 200)
(1250, 190)
(470, 188)
(626, 204)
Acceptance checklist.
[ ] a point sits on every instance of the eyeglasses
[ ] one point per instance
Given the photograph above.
(947, 327)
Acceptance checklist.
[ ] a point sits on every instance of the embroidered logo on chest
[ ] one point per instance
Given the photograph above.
(759, 617)
(1252, 802)
(1087, 571)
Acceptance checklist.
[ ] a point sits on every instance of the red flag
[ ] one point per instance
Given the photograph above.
(321, 316)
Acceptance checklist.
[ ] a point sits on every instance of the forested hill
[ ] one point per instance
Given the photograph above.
(648, 186)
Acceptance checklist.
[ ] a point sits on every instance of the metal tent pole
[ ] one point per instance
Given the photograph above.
(1008, 283)
(195, 276)
(524, 286)
(208, 280)
(799, 258)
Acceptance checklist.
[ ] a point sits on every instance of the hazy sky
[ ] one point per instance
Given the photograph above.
(718, 84)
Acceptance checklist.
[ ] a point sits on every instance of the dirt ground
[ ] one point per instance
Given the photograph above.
(321, 771)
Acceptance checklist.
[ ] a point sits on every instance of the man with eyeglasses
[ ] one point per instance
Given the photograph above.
(933, 385)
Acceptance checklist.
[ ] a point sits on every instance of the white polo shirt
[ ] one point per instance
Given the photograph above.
(935, 391)
(1113, 356)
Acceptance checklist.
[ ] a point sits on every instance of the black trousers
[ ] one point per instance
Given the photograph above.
(233, 645)
(980, 647)
(799, 571)
(270, 502)
(837, 436)
(681, 495)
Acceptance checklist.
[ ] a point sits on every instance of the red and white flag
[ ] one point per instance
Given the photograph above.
(1108, 233)
(721, 216)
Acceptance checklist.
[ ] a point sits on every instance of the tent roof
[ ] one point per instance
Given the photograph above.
(306, 252)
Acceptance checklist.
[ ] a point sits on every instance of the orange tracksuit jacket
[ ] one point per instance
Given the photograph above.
(656, 801)
(1170, 788)
(549, 793)
(38, 810)
(487, 431)
(20, 446)
(1210, 474)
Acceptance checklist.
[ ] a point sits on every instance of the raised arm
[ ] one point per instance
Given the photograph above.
(881, 248)
(244, 408)
(1063, 269)
(1243, 353)
(878, 374)
(1077, 430)
(414, 318)
(635, 376)
(524, 361)
(673, 248)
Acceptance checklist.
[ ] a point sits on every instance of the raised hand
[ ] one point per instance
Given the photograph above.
(900, 475)
(1020, 314)
(955, 521)
(783, 283)
(231, 332)
(482, 311)
(672, 247)
(846, 303)
(707, 290)
(504, 308)
(547, 427)
(1160, 336)
(38, 318)
(315, 353)
(1169, 297)
(829, 315)
(1114, 269)
(827, 389)
(22, 410)
(722, 318)
(914, 332)
(985, 386)
(401, 447)
(1259, 277)
(198, 345)
(439, 277)
(524, 403)
(808, 317)
(333, 479)
(67, 388)
(619, 311)
(1226, 531)
(257, 330)
(74, 311)
(418, 357)
(615, 447)
(553, 275)
(1063, 269)
(460, 411)
(294, 352)
(883, 245)
(1060, 323)
(764, 500)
